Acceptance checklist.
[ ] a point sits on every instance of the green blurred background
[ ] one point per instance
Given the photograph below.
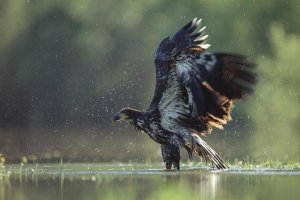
(67, 66)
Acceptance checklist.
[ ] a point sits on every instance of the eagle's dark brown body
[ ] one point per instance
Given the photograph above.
(195, 90)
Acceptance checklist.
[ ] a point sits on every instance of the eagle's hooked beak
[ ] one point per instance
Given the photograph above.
(120, 117)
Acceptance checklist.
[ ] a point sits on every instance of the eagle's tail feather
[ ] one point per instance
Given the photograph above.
(200, 148)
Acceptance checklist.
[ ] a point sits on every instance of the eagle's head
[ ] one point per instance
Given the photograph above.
(127, 114)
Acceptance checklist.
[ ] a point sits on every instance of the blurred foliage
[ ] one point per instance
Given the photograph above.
(67, 66)
(276, 108)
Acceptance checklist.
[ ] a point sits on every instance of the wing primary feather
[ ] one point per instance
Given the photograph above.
(201, 39)
(190, 25)
(197, 27)
(204, 46)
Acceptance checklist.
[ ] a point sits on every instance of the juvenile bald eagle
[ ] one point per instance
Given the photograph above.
(195, 91)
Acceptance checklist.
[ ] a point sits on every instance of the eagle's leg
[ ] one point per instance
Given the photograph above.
(171, 155)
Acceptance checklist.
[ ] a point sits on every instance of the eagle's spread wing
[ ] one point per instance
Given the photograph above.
(191, 35)
(213, 81)
(194, 87)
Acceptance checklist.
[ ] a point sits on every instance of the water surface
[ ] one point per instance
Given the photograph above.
(129, 181)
